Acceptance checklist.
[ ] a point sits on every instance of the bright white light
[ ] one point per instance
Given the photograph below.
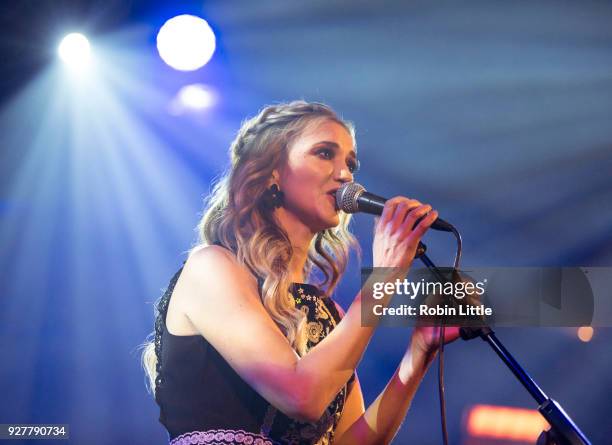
(75, 51)
(186, 42)
(195, 97)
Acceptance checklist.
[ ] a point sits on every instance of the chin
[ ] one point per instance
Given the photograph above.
(324, 219)
(330, 223)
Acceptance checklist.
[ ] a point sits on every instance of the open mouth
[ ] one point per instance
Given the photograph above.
(332, 195)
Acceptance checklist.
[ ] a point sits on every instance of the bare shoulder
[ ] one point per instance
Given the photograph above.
(213, 263)
(210, 275)
(210, 255)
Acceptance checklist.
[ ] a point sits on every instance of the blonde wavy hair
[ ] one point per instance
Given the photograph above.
(238, 218)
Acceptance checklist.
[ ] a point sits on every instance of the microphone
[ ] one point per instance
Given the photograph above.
(352, 197)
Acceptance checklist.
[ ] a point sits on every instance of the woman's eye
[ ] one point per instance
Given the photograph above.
(326, 153)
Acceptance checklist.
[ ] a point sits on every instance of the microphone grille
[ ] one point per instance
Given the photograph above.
(346, 197)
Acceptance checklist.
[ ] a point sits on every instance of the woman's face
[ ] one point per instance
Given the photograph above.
(319, 161)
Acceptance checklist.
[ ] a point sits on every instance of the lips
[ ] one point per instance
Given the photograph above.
(332, 194)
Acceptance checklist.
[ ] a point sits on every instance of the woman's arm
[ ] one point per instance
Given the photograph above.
(381, 421)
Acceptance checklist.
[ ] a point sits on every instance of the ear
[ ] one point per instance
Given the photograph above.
(274, 178)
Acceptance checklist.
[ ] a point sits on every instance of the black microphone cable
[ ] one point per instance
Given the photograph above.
(441, 341)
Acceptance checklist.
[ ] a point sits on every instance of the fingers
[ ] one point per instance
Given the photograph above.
(414, 215)
(388, 211)
(398, 231)
(425, 224)
(401, 214)
(395, 211)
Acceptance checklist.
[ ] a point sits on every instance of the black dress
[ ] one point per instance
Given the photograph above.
(203, 400)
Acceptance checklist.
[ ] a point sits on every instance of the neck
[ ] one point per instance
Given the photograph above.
(300, 237)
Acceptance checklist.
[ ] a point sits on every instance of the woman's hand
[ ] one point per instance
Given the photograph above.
(424, 345)
(426, 339)
(395, 239)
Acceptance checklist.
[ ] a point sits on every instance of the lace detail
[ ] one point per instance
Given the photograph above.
(221, 437)
(160, 320)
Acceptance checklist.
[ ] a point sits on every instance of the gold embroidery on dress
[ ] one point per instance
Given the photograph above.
(320, 323)
(322, 312)
(315, 329)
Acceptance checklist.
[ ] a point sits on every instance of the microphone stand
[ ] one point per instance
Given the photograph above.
(563, 429)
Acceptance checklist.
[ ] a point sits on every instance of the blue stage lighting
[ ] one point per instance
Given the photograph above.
(186, 42)
(75, 51)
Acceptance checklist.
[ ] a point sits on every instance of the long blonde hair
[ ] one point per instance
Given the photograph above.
(238, 218)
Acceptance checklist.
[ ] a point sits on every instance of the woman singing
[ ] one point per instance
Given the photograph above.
(246, 350)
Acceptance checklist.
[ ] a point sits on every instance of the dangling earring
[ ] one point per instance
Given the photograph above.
(273, 197)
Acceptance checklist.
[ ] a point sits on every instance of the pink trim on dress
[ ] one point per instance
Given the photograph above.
(221, 437)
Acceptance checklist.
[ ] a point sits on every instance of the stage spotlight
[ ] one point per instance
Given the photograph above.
(75, 51)
(190, 98)
(186, 42)
(196, 96)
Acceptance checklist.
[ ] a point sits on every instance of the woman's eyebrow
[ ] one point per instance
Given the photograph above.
(335, 145)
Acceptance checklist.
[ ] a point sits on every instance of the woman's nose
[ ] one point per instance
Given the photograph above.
(343, 174)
